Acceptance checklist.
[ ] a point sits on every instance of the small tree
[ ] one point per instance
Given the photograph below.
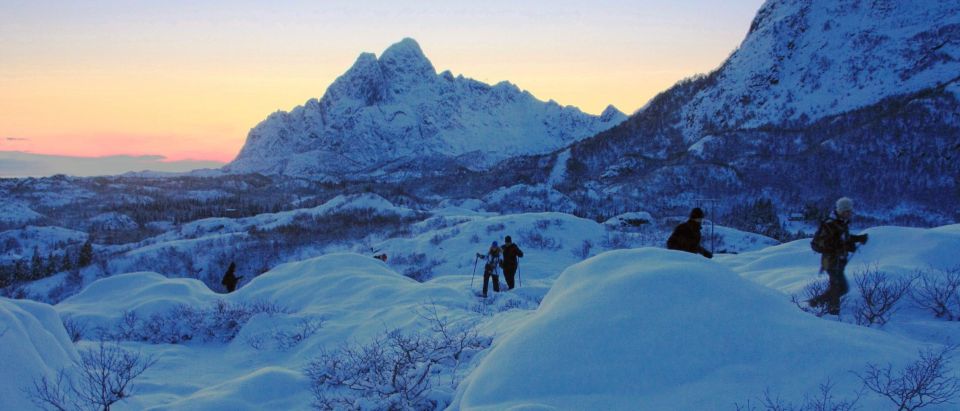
(922, 383)
(101, 378)
(86, 254)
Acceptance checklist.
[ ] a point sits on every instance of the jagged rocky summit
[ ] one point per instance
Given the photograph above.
(386, 112)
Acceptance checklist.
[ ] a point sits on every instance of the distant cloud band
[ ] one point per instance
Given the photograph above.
(21, 164)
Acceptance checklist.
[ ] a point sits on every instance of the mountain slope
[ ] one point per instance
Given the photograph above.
(396, 109)
(821, 100)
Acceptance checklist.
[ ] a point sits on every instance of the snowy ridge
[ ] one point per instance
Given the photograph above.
(807, 59)
(397, 109)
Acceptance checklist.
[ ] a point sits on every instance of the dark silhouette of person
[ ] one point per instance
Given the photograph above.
(511, 260)
(491, 268)
(229, 279)
(838, 243)
(686, 236)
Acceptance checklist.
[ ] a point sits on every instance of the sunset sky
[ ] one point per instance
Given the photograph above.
(188, 79)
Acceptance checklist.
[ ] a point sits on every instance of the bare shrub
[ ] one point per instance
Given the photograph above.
(810, 292)
(75, 329)
(101, 377)
(879, 295)
(921, 383)
(286, 339)
(584, 251)
(535, 239)
(219, 322)
(615, 240)
(493, 228)
(545, 223)
(395, 371)
(939, 292)
(824, 400)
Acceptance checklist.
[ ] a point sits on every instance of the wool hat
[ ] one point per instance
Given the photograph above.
(507, 239)
(494, 244)
(696, 213)
(844, 204)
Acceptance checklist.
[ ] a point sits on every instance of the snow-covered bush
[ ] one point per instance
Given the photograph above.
(584, 251)
(879, 295)
(395, 371)
(101, 377)
(418, 266)
(219, 322)
(493, 228)
(939, 292)
(537, 240)
(285, 339)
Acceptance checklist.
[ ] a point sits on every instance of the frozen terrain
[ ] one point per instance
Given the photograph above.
(640, 327)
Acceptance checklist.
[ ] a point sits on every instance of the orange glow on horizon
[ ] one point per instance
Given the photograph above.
(103, 79)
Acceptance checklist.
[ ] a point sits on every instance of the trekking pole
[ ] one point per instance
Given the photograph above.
(475, 260)
(519, 280)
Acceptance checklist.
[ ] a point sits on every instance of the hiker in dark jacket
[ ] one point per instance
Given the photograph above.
(686, 236)
(511, 260)
(836, 243)
(491, 268)
(229, 279)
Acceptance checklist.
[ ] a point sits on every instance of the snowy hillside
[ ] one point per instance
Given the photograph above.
(396, 109)
(822, 99)
(643, 327)
(807, 59)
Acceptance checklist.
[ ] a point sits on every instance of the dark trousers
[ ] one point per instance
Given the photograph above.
(496, 281)
(838, 285)
(509, 271)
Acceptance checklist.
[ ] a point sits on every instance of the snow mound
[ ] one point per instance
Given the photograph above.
(658, 329)
(104, 302)
(269, 388)
(791, 266)
(341, 280)
(34, 344)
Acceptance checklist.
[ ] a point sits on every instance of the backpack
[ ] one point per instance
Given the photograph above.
(821, 239)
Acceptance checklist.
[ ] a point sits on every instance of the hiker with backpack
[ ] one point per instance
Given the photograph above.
(835, 244)
(229, 279)
(686, 236)
(491, 268)
(511, 260)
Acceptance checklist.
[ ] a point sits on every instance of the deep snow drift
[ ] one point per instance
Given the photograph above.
(643, 327)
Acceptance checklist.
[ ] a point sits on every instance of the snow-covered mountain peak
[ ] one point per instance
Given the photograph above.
(406, 59)
(400, 102)
(612, 113)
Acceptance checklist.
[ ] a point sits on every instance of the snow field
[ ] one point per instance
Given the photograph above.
(645, 327)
